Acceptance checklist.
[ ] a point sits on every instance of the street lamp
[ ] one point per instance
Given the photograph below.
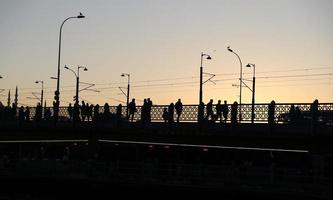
(42, 92)
(128, 91)
(0, 77)
(240, 83)
(77, 75)
(253, 89)
(200, 110)
(57, 92)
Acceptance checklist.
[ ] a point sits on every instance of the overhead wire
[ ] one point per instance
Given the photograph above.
(185, 84)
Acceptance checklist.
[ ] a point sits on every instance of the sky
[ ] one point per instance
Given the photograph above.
(159, 43)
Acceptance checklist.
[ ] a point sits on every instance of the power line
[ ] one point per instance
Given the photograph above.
(193, 83)
(188, 77)
(290, 76)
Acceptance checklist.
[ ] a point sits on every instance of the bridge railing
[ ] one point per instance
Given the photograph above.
(190, 112)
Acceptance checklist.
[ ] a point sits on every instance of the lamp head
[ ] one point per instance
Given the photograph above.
(250, 65)
(53, 77)
(229, 49)
(66, 67)
(122, 75)
(36, 81)
(85, 69)
(208, 57)
(80, 16)
(0, 77)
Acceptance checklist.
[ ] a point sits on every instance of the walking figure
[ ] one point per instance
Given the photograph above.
(171, 112)
(149, 105)
(179, 108)
(218, 108)
(165, 115)
(271, 114)
(234, 113)
(314, 116)
(225, 111)
(70, 112)
(132, 109)
(209, 109)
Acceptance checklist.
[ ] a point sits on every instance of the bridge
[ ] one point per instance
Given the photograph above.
(246, 157)
(190, 112)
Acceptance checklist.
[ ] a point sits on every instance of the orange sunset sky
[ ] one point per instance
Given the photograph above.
(159, 43)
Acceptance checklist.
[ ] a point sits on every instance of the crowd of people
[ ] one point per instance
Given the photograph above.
(173, 112)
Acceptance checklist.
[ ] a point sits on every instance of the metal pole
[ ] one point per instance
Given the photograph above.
(200, 111)
(77, 86)
(42, 95)
(200, 90)
(240, 88)
(253, 90)
(57, 93)
(128, 92)
(253, 100)
(240, 83)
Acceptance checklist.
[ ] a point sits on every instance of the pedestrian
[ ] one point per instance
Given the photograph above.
(132, 109)
(218, 108)
(225, 111)
(179, 109)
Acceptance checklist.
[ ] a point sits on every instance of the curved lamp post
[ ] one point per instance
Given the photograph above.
(77, 75)
(128, 91)
(42, 92)
(253, 90)
(57, 92)
(200, 110)
(240, 83)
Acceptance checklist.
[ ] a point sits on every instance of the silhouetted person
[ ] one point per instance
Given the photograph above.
(27, 113)
(165, 115)
(171, 111)
(144, 110)
(76, 113)
(218, 108)
(13, 111)
(118, 113)
(314, 115)
(179, 109)
(83, 111)
(209, 109)
(298, 114)
(149, 106)
(70, 112)
(96, 112)
(106, 111)
(234, 108)
(271, 114)
(292, 114)
(225, 111)
(55, 111)
(21, 115)
(90, 112)
(132, 109)
(38, 113)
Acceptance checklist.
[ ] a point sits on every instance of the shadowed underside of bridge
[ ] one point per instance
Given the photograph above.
(147, 178)
(261, 135)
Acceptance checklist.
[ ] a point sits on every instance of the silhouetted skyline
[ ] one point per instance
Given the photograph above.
(159, 44)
